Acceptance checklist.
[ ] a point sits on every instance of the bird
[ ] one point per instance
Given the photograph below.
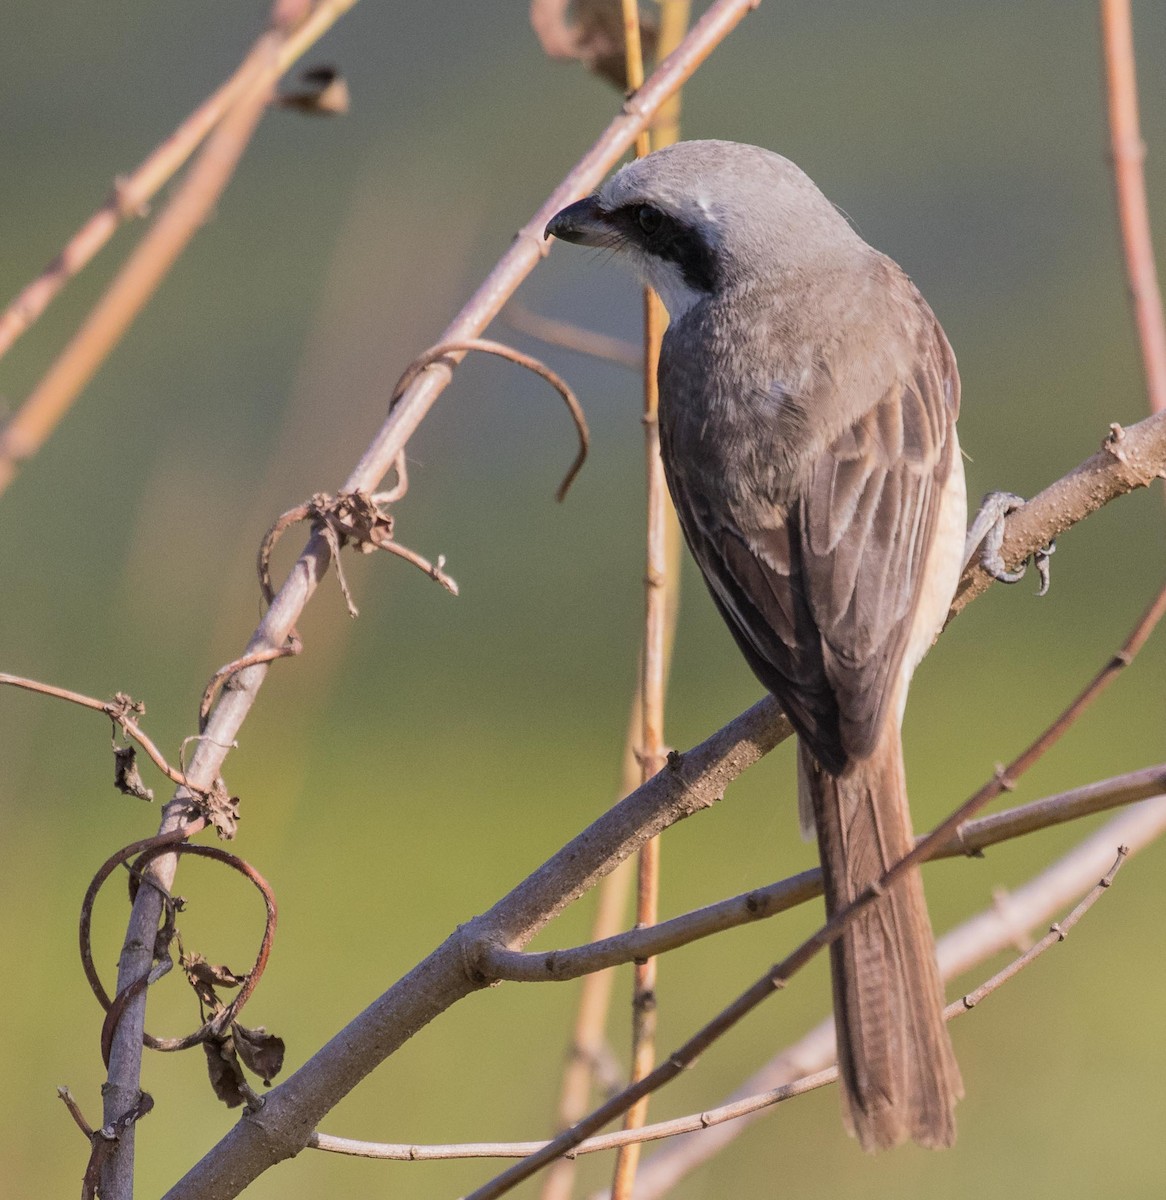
(808, 399)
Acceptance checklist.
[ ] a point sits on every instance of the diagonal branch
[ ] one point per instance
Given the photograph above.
(779, 975)
(762, 903)
(1006, 923)
(688, 783)
(269, 58)
(734, 1110)
(135, 283)
(1129, 458)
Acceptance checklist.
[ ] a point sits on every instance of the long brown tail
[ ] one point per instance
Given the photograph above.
(899, 1075)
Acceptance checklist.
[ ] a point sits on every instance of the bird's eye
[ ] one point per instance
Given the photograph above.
(650, 219)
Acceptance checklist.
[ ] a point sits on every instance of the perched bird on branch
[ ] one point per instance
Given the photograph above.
(808, 400)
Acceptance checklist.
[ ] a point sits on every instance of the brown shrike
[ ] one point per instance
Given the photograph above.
(808, 400)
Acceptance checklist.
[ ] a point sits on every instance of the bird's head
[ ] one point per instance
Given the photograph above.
(697, 219)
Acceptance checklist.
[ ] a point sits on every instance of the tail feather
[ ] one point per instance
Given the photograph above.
(899, 1076)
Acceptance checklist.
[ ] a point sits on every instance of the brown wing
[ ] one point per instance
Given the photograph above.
(820, 593)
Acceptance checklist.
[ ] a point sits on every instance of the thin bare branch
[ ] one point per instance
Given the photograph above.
(765, 902)
(573, 337)
(134, 284)
(1128, 152)
(117, 710)
(731, 1111)
(653, 667)
(454, 350)
(269, 58)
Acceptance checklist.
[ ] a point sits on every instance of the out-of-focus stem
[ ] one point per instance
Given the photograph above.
(1129, 155)
(653, 662)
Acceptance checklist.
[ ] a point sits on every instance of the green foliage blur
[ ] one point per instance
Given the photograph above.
(413, 765)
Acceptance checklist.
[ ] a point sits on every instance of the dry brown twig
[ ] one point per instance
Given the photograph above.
(1128, 153)
(122, 710)
(450, 351)
(573, 337)
(653, 664)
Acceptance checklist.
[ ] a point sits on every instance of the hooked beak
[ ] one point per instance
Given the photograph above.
(583, 222)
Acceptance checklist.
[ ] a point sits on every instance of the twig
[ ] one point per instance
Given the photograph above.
(589, 1034)
(762, 903)
(776, 978)
(958, 951)
(1128, 153)
(731, 1111)
(134, 284)
(269, 58)
(654, 653)
(1129, 458)
(117, 710)
(1057, 933)
(454, 350)
(572, 337)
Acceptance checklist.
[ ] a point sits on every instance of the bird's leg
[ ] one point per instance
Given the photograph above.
(986, 536)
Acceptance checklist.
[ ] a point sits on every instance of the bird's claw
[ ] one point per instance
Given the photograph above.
(986, 536)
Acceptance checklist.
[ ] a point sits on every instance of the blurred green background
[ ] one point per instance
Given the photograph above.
(413, 765)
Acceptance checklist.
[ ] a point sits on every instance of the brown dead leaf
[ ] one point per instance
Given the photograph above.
(126, 777)
(590, 31)
(261, 1052)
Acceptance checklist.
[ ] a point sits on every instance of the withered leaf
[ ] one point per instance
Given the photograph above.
(126, 777)
(222, 810)
(594, 36)
(226, 1074)
(206, 976)
(261, 1052)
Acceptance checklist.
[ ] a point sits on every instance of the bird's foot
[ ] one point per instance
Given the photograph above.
(986, 536)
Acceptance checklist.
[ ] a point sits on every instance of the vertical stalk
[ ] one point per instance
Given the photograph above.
(1129, 154)
(656, 648)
